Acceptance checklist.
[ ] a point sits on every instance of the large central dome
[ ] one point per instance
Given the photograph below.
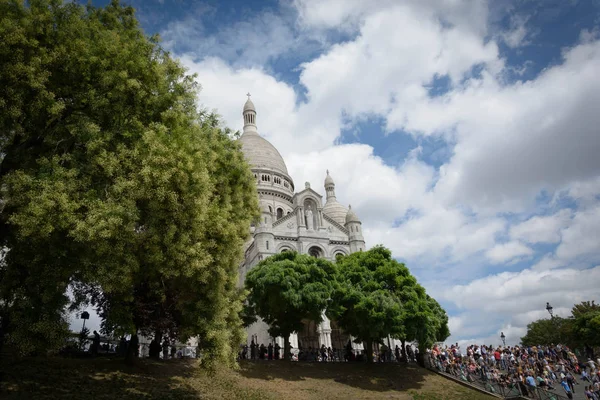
(261, 154)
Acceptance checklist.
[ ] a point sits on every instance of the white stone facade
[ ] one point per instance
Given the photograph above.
(293, 221)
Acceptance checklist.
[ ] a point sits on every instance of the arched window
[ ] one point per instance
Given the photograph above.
(267, 245)
(271, 209)
(315, 252)
(279, 213)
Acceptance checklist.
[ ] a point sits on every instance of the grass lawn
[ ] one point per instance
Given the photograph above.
(103, 378)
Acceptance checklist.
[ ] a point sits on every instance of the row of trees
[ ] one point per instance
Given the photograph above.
(117, 191)
(369, 294)
(580, 329)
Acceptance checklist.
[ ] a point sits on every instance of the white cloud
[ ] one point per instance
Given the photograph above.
(350, 14)
(371, 75)
(515, 36)
(249, 42)
(505, 252)
(542, 229)
(512, 293)
(549, 261)
(514, 141)
(582, 237)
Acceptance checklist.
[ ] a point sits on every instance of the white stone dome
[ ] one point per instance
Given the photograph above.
(351, 216)
(249, 106)
(260, 153)
(328, 180)
(335, 210)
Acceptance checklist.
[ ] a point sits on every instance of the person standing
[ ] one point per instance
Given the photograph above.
(165, 349)
(323, 353)
(95, 343)
(262, 352)
(253, 350)
(348, 353)
(566, 387)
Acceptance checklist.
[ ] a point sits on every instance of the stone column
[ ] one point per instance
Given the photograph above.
(300, 214)
(294, 341)
(321, 225)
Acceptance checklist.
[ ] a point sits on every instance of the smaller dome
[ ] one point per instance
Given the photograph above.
(351, 216)
(249, 106)
(335, 210)
(328, 180)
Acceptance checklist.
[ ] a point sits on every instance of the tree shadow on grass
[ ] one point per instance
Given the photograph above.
(100, 378)
(372, 377)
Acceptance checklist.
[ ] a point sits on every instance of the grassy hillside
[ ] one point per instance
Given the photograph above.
(58, 378)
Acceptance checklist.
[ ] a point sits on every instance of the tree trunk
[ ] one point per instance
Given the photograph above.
(286, 347)
(132, 349)
(369, 351)
(421, 356)
(404, 355)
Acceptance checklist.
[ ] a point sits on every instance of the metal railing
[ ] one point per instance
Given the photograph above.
(542, 394)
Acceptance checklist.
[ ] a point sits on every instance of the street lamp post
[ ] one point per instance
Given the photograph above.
(503, 338)
(556, 322)
(84, 315)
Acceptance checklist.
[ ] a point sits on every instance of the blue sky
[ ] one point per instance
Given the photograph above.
(464, 133)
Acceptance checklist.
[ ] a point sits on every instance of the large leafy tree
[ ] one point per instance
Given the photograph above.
(546, 331)
(425, 321)
(287, 288)
(113, 183)
(586, 323)
(376, 296)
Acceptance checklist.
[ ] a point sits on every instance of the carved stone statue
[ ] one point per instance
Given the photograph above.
(309, 219)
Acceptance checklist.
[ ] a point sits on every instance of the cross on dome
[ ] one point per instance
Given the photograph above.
(248, 94)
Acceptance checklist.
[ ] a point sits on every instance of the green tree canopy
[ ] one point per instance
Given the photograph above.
(113, 183)
(425, 321)
(586, 323)
(286, 288)
(376, 296)
(547, 331)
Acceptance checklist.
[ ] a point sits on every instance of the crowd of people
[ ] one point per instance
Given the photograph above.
(324, 354)
(553, 367)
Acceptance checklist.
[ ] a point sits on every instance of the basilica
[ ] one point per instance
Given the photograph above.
(294, 220)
